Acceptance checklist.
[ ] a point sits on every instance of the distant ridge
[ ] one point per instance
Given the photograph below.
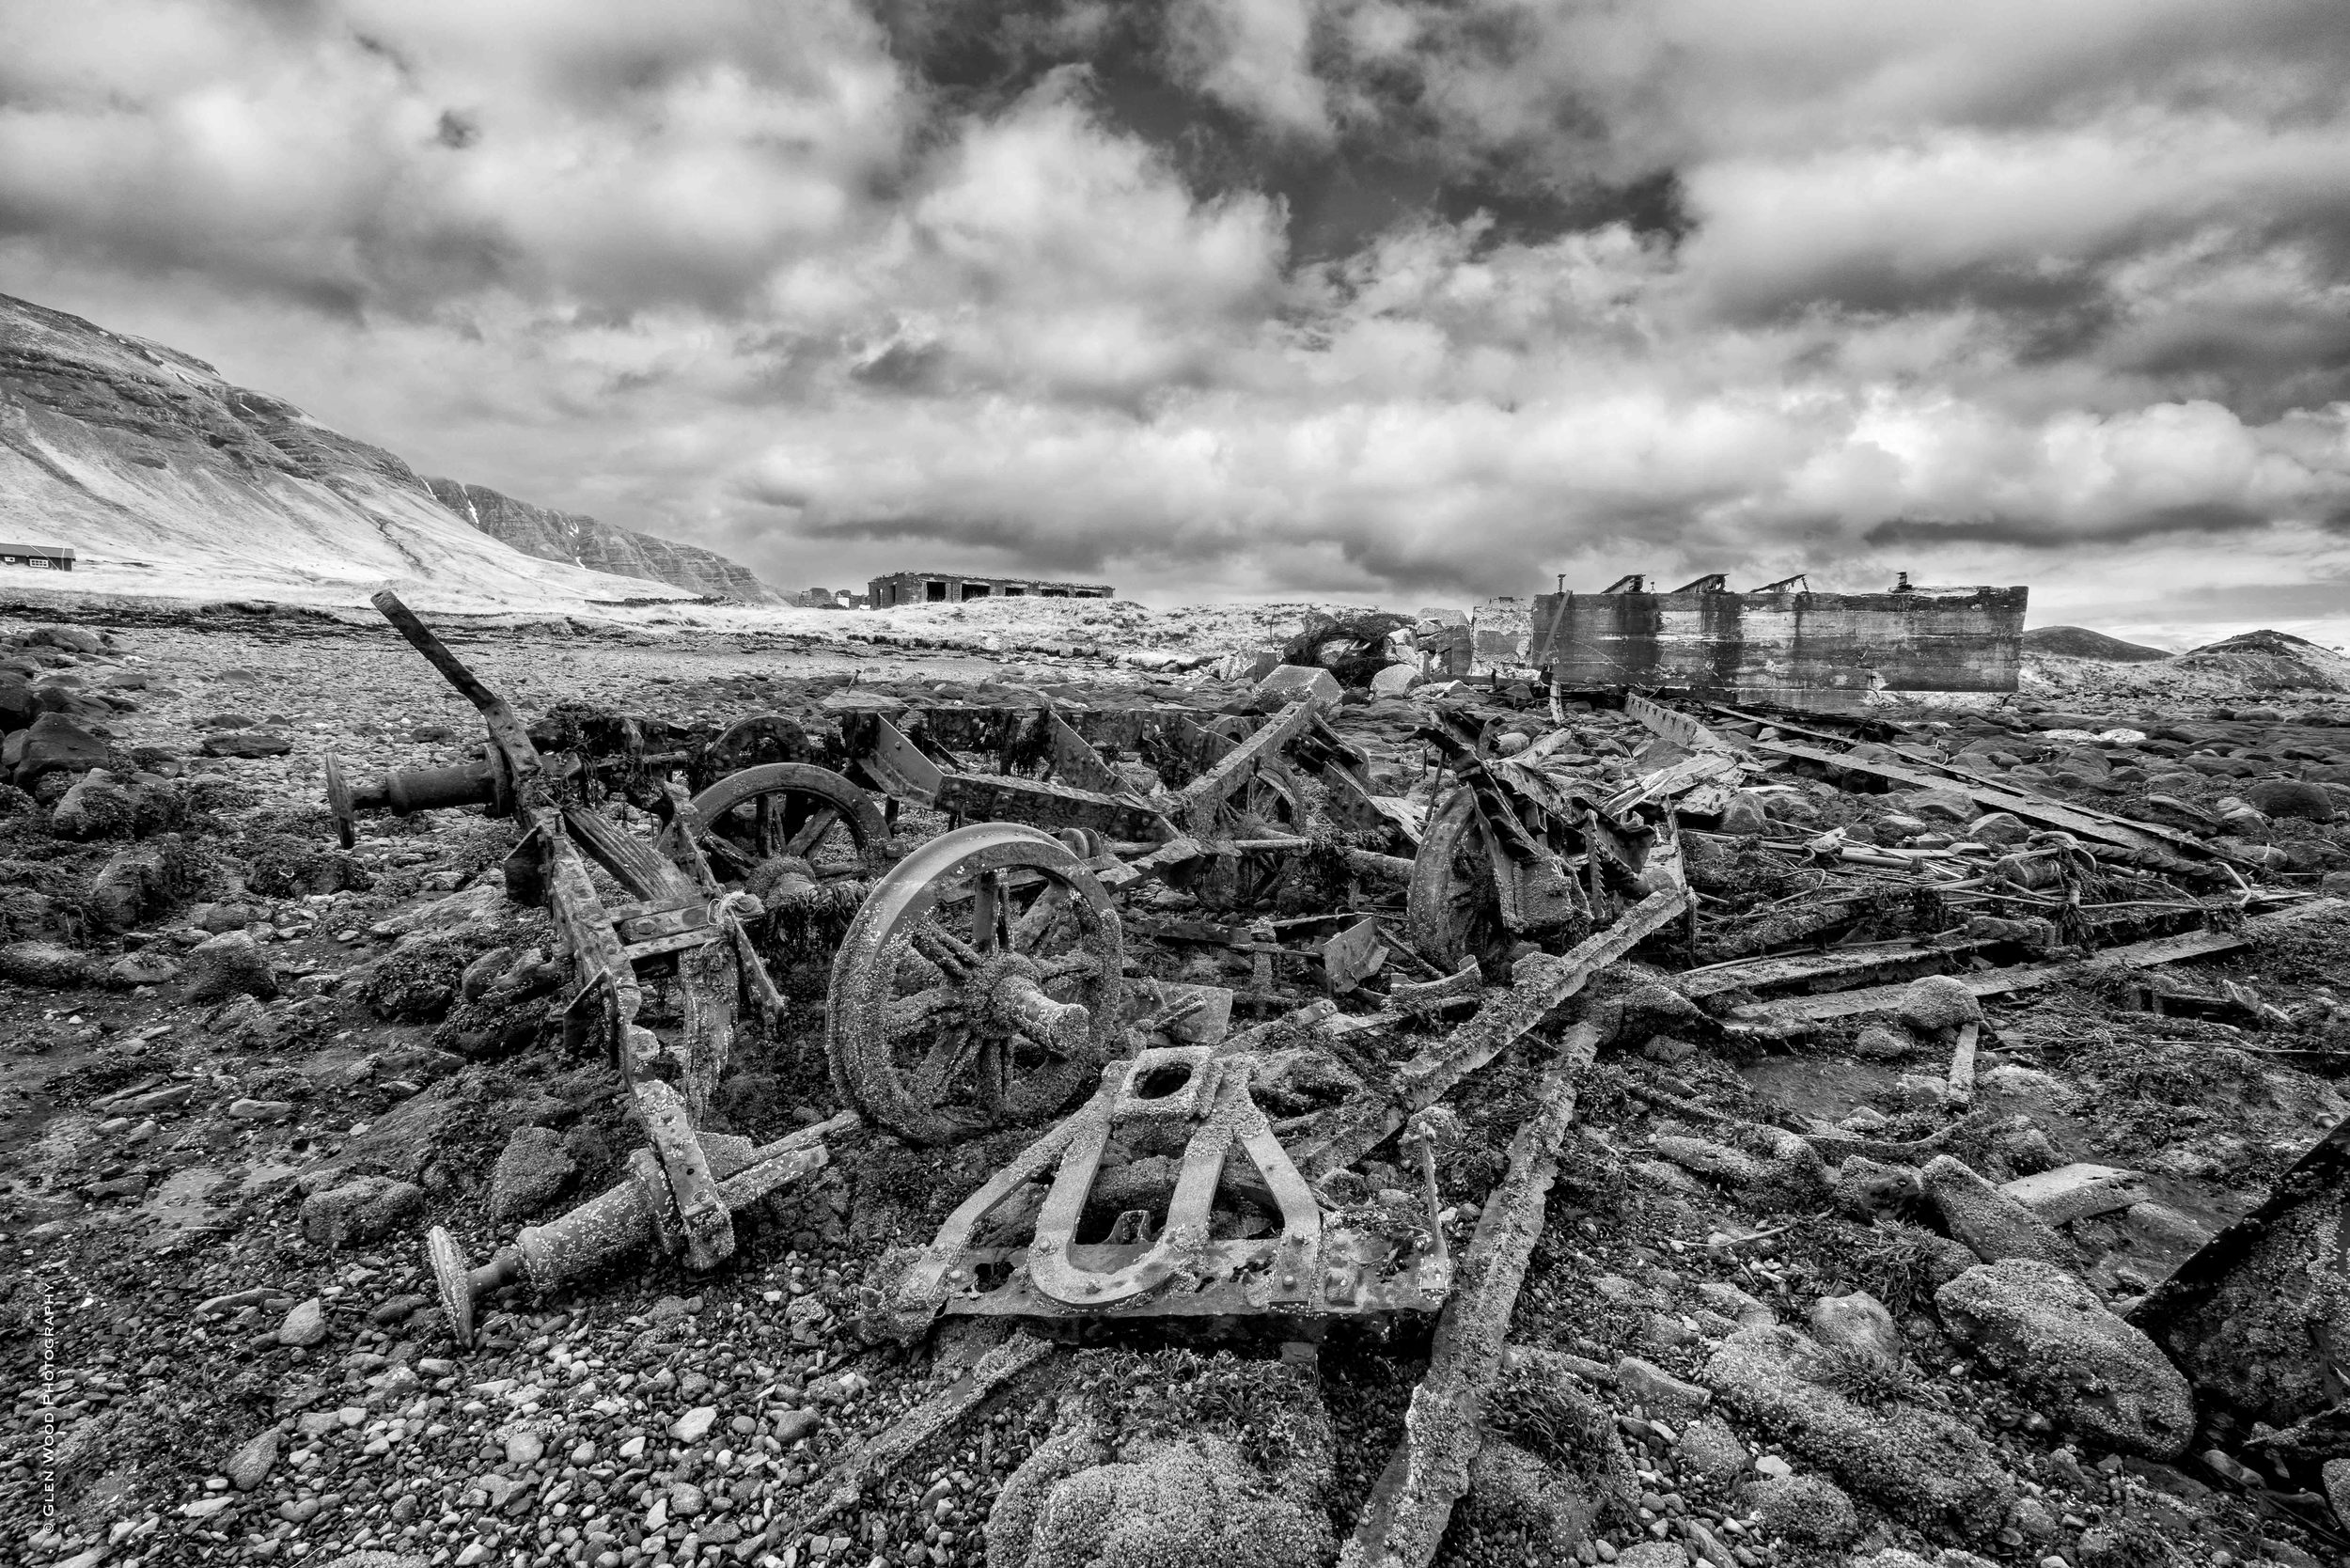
(169, 479)
(2079, 642)
(583, 541)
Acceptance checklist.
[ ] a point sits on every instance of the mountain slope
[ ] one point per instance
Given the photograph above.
(2079, 642)
(167, 479)
(582, 541)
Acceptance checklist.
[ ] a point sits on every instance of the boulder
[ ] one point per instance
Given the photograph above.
(531, 1170)
(1187, 1500)
(1924, 1467)
(51, 966)
(1858, 1323)
(1807, 1509)
(1998, 828)
(2065, 1192)
(1993, 1223)
(230, 964)
(1934, 1002)
(1290, 683)
(1711, 1455)
(1744, 816)
(73, 639)
(19, 706)
(137, 882)
(99, 806)
(1516, 1495)
(305, 1327)
(148, 966)
(1658, 1391)
(250, 1466)
(54, 744)
(1394, 681)
(1940, 806)
(2291, 797)
(247, 743)
(2058, 1342)
(359, 1211)
(2335, 1477)
(1878, 1043)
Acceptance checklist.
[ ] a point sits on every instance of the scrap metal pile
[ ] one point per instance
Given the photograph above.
(1031, 909)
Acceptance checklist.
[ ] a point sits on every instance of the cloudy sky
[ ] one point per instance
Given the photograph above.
(1403, 301)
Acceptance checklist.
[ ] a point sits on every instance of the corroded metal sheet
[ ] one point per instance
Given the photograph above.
(1821, 650)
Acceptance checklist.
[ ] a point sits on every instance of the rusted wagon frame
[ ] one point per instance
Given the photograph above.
(676, 910)
(1310, 1271)
(1515, 855)
(583, 752)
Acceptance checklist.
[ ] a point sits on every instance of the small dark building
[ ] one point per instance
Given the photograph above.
(946, 588)
(52, 558)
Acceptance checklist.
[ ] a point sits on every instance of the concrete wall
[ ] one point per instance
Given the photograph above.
(913, 588)
(1802, 649)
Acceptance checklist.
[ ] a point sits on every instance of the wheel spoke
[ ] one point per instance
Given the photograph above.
(763, 827)
(923, 1010)
(1041, 919)
(811, 834)
(995, 1075)
(986, 910)
(738, 862)
(948, 1055)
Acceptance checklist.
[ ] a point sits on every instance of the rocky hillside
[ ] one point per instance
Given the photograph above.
(168, 479)
(582, 541)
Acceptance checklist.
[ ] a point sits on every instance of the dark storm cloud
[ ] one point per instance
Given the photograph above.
(1387, 296)
(2200, 517)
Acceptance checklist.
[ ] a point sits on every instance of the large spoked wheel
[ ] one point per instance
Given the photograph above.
(978, 987)
(786, 810)
(1451, 909)
(755, 742)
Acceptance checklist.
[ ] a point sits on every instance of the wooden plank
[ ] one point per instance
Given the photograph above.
(996, 797)
(1351, 1130)
(1429, 1471)
(2156, 843)
(1817, 971)
(2027, 977)
(1198, 801)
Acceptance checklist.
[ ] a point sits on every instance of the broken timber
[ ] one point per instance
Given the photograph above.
(2026, 977)
(1429, 1471)
(2156, 847)
(889, 1447)
(1361, 1124)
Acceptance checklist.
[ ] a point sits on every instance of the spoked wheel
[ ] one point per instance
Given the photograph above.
(1452, 910)
(786, 810)
(978, 987)
(754, 741)
(1271, 804)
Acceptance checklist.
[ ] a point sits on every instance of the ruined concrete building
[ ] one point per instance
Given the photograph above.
(946, 588)
(1780, 643)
